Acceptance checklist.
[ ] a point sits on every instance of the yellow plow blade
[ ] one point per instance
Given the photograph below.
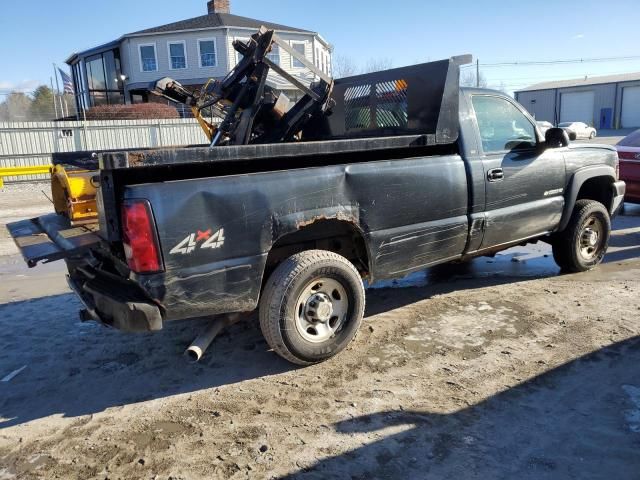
(74, 194)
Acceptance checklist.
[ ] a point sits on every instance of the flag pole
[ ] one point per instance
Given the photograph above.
(55, 105)
(55, 72)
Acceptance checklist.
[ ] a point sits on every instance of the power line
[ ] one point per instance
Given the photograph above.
(556, 62)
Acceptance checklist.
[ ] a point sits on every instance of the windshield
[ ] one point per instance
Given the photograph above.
(631, 140)
(565, 124)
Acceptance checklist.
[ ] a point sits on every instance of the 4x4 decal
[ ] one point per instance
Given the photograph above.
(206, 239)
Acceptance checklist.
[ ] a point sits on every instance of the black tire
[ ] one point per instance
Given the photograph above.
(284, 314)
(572, 250)
(592, 136)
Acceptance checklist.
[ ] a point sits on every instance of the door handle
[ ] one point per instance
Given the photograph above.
(495, 175)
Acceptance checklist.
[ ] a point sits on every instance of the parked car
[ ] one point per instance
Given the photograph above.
(544, 126)
(581, 129)
(292, 229)
(629, 154)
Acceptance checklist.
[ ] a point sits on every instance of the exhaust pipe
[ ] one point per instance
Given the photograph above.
(200, 345)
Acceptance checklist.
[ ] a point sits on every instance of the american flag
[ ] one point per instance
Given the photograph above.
(66, 81)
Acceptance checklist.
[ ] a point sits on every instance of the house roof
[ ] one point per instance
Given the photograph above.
(98, 49)
(584, 81)
(216, 20)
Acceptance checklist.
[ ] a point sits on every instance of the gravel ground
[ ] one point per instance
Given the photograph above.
(500, 368)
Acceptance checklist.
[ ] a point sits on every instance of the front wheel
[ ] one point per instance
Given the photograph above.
(592, 136)
(312, 306)
(583, 244)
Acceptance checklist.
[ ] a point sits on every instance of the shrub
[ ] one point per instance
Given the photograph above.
(139, 111)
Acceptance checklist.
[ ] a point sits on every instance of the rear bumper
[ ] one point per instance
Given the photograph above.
(114, 303)
(619, 189)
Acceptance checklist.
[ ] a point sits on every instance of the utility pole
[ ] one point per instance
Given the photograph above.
(477, 73)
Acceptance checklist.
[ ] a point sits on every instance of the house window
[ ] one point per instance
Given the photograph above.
(207, 49)
(177, 56)
(274, 54)
(103, 74)
(298, 47)
(239, 56)
(148, 59)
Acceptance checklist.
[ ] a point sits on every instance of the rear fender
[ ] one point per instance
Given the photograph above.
(293, 226)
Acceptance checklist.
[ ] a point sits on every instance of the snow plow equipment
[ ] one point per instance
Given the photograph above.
(73, 191)
(251, 111)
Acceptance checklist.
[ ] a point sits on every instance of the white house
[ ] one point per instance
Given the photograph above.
(190, 51)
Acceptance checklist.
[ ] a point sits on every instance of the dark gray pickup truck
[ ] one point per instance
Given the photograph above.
(293, 229)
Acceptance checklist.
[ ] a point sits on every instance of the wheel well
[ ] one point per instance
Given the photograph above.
(338, 236)
(599, 189)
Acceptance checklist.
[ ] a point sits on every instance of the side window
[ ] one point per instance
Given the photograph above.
(300, 48)
(502, 126)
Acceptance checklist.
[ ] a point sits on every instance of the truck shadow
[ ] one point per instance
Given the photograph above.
(76, 369)
(580, 420)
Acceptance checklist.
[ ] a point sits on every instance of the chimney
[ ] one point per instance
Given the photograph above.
(218, 6)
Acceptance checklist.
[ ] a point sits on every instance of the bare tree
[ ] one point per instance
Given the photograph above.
(15, 108)
(344, 66)
(378, 64)
(503, 88)
(468, 79)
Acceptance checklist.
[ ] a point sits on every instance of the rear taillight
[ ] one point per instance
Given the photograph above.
(627, 156)
(139, 237)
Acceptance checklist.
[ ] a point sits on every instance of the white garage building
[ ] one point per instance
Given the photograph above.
(604, 102)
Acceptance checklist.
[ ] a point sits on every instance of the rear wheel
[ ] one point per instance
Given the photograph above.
(312, 306)
(583, 244)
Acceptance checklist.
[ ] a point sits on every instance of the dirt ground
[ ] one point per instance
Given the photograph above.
(498, 369)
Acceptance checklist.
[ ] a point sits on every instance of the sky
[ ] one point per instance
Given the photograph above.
(38, 33)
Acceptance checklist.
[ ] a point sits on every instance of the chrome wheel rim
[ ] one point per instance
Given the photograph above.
(322, 309)
(591, 238)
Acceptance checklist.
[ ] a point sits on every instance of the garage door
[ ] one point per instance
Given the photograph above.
(577, 107)
(630, 107)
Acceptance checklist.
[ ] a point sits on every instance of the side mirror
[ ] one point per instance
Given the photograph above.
(557, 137)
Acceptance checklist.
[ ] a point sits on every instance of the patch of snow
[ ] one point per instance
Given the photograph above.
(633, 415)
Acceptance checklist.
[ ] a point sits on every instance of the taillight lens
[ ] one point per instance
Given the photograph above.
(139, 237)
(627, 155)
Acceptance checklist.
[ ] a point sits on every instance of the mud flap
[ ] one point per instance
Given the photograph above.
(50, 238)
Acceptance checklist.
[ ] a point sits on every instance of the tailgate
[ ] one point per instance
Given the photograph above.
(51, 237)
